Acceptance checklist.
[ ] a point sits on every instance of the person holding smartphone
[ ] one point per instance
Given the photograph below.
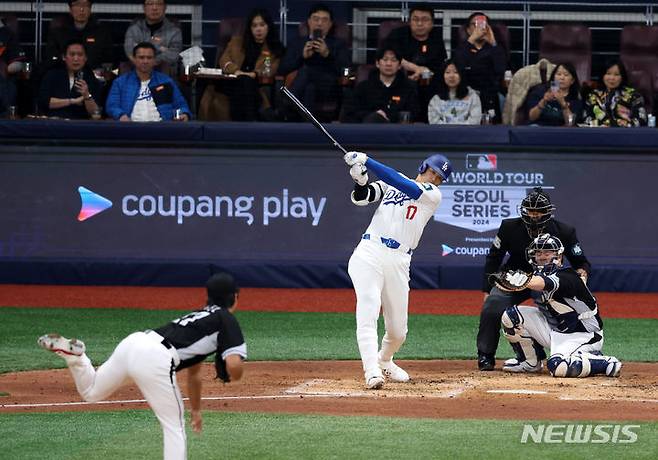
(557, 102)
(319, 59)
(70, 91)
(484, 62)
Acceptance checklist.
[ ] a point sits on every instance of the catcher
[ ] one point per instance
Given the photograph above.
(567, 318)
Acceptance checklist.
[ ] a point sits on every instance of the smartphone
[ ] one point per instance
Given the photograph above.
(555, 86)
(481, 22)
(316, 34)
(79, 75)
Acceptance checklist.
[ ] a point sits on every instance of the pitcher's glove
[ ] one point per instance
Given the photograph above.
(511, 280)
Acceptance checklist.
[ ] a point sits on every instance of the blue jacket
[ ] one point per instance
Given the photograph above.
(125, 90)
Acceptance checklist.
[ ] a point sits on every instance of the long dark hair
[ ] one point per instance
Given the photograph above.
(272, 39)
(622, 72)
(442, 89)
(574, 89)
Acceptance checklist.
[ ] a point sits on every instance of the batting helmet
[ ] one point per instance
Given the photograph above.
(221, 289)
(536, 209)
(548, 243)
(439, 164)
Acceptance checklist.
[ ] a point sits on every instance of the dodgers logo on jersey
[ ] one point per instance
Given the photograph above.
(395, 197)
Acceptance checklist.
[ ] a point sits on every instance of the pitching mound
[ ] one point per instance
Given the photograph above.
(439, 389)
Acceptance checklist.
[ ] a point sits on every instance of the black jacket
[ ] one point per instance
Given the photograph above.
(56, 84)
(333, 64)
(372, 95)
(96, 37)
(429, 53)
(483, 70)
(513, 239)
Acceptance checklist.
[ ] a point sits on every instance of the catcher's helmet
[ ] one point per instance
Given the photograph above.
(548, 243)
(439, 164)
(221, 289)
(539, 204)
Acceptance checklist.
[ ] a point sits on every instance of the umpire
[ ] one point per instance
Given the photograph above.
(514, 236)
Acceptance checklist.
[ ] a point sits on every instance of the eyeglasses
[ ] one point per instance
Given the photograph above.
(421, 19)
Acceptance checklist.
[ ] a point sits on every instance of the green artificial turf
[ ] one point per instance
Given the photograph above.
(135, 434)
(277, 336)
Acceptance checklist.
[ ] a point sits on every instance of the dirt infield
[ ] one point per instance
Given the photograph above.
(439, 389)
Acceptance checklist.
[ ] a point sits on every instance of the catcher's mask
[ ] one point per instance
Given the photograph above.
(536, 210)
(222, 290)
(545, 254)
(439, 164)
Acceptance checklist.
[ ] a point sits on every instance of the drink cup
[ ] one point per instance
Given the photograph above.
(405, 117)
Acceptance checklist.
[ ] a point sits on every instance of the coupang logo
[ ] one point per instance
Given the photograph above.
(92, 203)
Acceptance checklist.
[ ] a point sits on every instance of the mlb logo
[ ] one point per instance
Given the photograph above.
(482, 161)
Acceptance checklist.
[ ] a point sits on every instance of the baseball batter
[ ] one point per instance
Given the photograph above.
(152, 358)
(567, 319)
(379, 266)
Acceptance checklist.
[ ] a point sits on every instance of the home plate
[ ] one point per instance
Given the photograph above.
(520, 392)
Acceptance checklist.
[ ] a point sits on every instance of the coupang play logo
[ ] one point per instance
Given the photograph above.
(92, 203)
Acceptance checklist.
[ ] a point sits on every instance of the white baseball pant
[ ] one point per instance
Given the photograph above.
(142, 358)
(380, 276)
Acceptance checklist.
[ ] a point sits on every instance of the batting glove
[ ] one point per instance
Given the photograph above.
(355, 157)
(359, 173)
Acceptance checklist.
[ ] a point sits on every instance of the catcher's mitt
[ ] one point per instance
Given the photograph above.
(511, 280)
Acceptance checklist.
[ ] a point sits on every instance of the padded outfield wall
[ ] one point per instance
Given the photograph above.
(270, 202)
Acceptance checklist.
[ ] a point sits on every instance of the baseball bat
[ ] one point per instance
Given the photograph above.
(309, 116)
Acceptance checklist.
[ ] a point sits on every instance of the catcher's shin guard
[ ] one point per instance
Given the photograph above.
(583, 365)
(525, 347)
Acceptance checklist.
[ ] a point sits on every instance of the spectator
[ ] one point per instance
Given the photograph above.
(422, 49)
(483, 61)
(80, 25)
(454, 103)
(557, 102)
(160, 31)
(617, 104)
(144, 94)
(11, 53)
(318, 59)
(385, 93)
(256, 53)
(71, 90)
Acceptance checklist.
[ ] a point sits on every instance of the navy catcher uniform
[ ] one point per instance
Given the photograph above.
(513, 237)
(566, 319)
(379, 266)
(151, 359)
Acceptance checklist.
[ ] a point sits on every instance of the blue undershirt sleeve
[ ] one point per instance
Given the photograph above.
(394, 178)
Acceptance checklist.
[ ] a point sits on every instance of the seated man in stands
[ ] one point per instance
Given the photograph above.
(422, 49)
(11, 63)
(71, 90)
(385, 94)
(483, 61)
(160, 31)
(80, 25)
(144, 94)
(318, 60)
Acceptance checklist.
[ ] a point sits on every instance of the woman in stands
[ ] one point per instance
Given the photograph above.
(254, 55)
(617, 103)
(557, 102)
(454, 102)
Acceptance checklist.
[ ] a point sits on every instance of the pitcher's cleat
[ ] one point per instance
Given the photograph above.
(393, 372)
(61, 345)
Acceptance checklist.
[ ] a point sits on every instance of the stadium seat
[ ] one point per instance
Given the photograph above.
(568, 43)
(638, 50)
(642, 82)
(385, 28)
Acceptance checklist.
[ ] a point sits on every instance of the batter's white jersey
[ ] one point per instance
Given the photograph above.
(402, 218)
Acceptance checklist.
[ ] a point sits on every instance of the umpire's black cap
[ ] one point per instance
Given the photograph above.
(222, 289)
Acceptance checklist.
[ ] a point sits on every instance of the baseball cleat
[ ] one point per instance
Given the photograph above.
(374, 379)
(486, 362)
(393, 372)
(513, 365)
(61, 345)
(614, 367)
